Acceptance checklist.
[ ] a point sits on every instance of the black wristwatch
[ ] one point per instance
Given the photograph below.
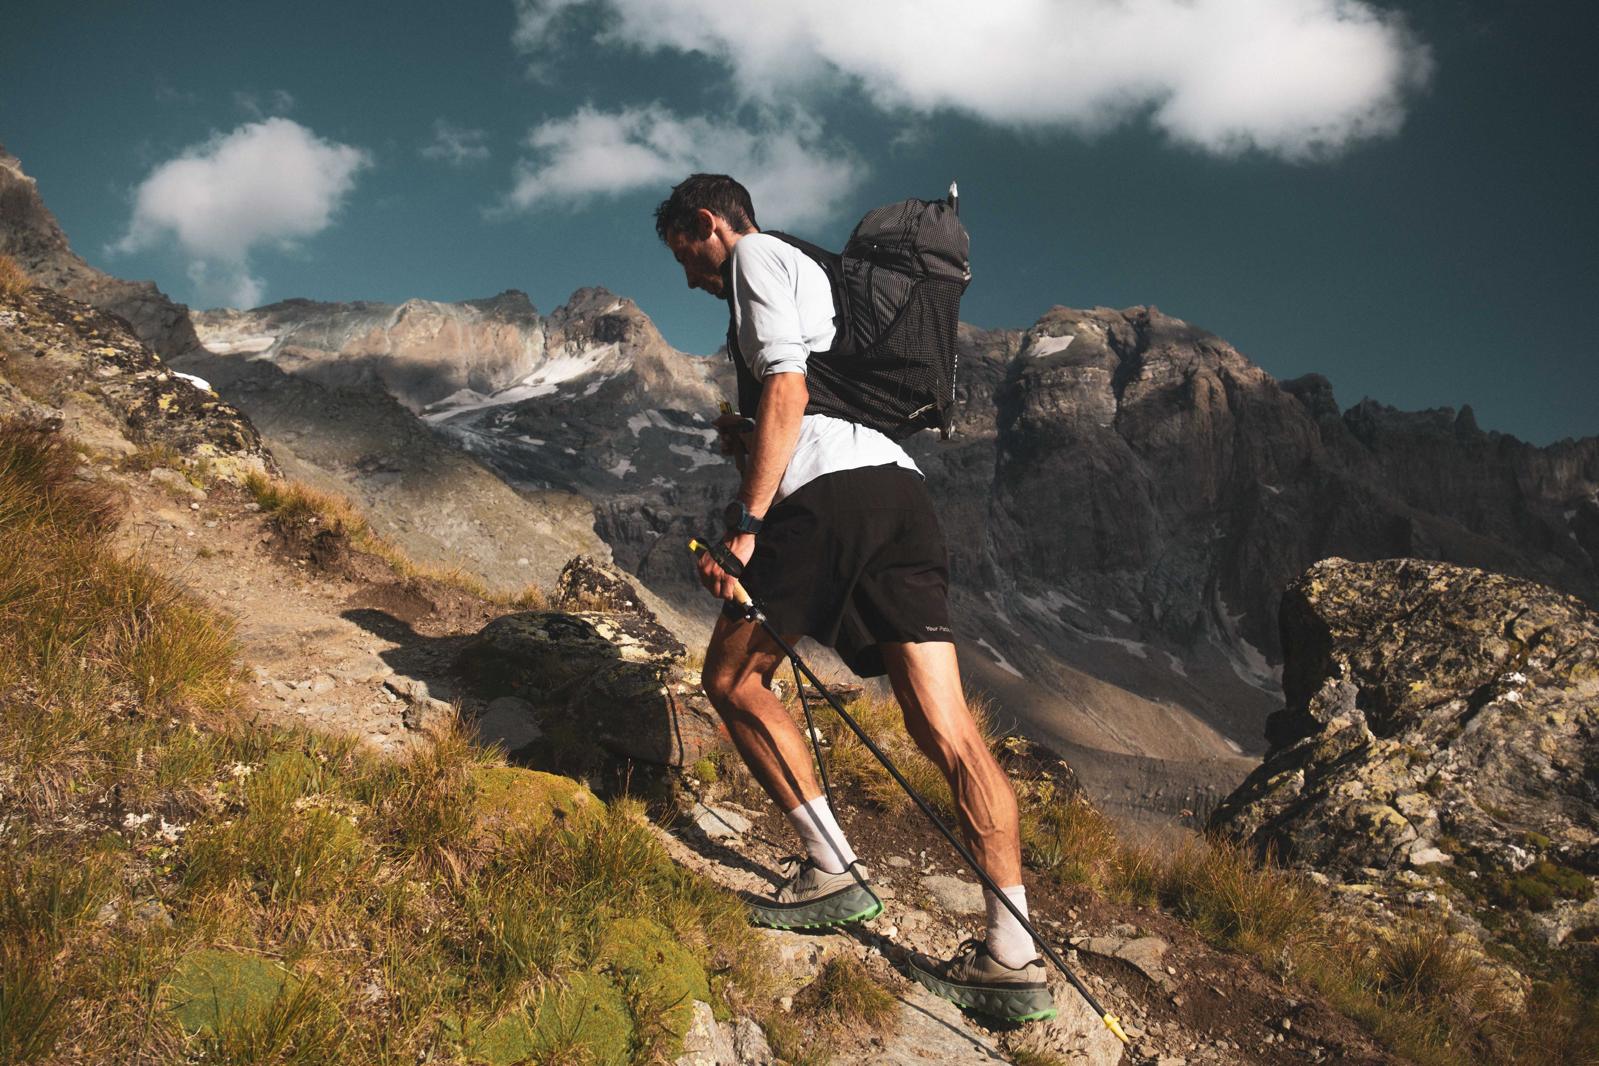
(738, 519)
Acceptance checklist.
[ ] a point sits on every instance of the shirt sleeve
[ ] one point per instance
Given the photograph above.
(766, 308)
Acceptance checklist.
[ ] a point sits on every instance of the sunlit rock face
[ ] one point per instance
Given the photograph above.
(420, 351)
(446, 361)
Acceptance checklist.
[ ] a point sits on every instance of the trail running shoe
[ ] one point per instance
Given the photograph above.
(812, 898)
(976, 980)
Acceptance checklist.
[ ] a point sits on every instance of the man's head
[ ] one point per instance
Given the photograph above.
(700, 222)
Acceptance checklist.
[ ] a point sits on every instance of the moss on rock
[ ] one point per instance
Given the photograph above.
(510, 798)
(213, 990)
(662, 977)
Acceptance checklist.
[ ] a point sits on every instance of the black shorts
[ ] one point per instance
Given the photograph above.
(852, 559)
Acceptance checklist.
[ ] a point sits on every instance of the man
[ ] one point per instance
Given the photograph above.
(840, 543)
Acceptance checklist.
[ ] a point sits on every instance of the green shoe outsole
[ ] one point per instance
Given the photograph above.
(1019, 1004)
(840, 909)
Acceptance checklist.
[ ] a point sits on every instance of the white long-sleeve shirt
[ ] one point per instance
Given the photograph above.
(782, 312)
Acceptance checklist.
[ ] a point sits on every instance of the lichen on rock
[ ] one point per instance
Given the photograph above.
(1438, 743)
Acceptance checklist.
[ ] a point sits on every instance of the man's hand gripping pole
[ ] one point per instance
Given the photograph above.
(735, 569)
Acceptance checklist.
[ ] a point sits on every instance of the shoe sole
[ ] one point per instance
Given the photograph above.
(1007, 1004)
(839, 909)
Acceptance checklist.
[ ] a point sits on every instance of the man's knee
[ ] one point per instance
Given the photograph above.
(730, 678)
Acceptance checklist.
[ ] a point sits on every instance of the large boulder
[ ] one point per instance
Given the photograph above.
(1440, 744)
(620, 678)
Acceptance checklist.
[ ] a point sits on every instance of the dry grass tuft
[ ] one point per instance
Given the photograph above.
(845, 996)
(1220, 890)
(14, 281)
(1069, 840)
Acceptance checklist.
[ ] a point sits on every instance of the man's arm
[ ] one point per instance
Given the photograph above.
(777, 427)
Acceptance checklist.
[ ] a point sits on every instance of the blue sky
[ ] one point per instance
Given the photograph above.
(1397, 195)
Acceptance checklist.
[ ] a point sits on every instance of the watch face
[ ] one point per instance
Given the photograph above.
(738, 518)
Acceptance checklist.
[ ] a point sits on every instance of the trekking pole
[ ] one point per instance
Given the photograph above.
(754, 613)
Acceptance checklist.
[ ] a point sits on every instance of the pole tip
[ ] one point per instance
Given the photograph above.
(695, 546)
(1115, 1026)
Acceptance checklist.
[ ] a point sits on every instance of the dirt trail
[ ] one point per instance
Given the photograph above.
(365, 655)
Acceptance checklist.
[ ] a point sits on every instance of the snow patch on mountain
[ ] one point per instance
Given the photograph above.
(646, 419)
(1042, 346)
(249, 344)
(542, 381)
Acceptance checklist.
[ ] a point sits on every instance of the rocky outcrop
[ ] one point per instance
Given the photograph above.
(1438, 745)
(587, 584)
(30, 234)
(65, 362)
(615, 679)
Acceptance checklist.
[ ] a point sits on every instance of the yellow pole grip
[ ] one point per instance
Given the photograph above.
(739, 594)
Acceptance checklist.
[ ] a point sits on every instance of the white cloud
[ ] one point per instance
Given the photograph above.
(792, 174)
(272, 182)
(1299, 79)
(456, 145)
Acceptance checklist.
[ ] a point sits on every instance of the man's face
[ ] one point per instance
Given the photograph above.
(701, 259)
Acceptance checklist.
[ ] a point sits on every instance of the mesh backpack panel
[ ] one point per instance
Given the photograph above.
(896, 297)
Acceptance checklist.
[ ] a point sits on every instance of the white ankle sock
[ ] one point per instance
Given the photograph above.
(824, 840)
(1008, 942)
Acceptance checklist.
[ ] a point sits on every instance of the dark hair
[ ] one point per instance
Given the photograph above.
(716, 193)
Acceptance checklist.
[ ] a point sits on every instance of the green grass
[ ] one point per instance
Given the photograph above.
(180, 884)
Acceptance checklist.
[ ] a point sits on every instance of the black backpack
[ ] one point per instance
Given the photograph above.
(896, 296)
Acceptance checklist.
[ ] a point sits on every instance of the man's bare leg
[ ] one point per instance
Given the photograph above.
(738, 670)
(926, 680)
(739, 664)
(927, 683)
